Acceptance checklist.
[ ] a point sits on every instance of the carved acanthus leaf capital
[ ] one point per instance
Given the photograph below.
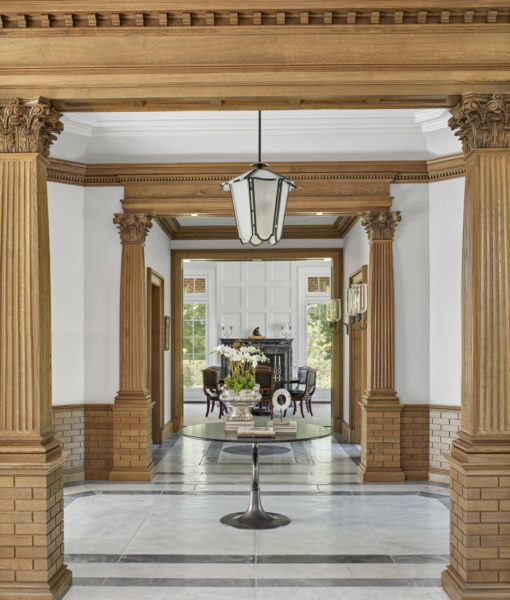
(380, 225)
(133, 228)
(482, 121)
(29, 126)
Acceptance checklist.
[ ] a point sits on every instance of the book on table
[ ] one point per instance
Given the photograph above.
(282, 426)
(233, 426)
(255, 432)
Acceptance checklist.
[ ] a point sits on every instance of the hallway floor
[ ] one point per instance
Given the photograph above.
(163, 540)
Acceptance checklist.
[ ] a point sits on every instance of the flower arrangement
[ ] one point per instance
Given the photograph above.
(242, 363)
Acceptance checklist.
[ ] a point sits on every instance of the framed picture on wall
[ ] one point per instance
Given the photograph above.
(167, 333)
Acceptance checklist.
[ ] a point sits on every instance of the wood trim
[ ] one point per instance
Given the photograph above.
(404, 171)
(360, 275)
(158, 409)
(177, 258)
(229, 232)
(168, 429)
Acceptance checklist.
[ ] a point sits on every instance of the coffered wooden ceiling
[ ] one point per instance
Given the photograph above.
(175, 231)
(292, 54)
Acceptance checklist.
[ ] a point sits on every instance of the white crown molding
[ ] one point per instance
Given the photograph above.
(432, 119)
(236, 123)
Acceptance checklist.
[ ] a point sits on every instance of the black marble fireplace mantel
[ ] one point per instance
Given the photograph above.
(273, 348)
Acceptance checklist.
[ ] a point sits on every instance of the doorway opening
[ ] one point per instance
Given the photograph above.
(222, 296)
(155, 351)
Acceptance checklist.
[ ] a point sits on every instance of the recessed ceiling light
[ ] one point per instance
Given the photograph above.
(319, 214)
(194, 214)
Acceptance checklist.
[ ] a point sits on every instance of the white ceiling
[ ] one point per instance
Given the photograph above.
(216, 136)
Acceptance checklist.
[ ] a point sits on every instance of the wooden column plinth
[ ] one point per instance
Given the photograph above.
(132, 440)
(380, 440)
(31, 464)
(479, 566)
(32, 531)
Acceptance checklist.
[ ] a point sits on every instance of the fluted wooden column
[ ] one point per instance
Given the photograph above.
(31, 465)
(380, 406)
(132, 414)
(480, 457)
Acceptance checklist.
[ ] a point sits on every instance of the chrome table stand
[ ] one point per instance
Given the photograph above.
(255, 517)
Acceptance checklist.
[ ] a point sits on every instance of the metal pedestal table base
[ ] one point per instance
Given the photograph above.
(255, 516)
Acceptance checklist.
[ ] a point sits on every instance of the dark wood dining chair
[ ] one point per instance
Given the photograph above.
(212, 389)
(306, 385)
(265, 378)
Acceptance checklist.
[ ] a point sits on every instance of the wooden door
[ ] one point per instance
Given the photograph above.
(357, 365)
(155, 351)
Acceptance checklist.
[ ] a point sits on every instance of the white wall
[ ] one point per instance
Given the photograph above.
(446, 212)
(157, 257)
(411, 264)
(65, 205)
(102, 293)
(355, 256)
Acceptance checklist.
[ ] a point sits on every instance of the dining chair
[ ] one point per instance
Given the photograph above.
(212, 389)
(265, 378)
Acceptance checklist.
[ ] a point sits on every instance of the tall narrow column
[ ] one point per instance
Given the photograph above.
(31, 465)
(132, 413)
(480, 457)
(380, 406)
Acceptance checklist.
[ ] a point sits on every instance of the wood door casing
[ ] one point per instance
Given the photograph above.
(155, 351)
(357, 365)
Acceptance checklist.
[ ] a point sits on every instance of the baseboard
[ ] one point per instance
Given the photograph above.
(74, 474)
(416, 474)
(439, 475)
(167, 431)
(97, 474)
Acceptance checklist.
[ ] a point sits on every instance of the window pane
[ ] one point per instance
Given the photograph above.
(319, 343)
(194, 343)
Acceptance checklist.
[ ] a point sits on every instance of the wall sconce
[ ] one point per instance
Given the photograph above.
(357, 304)
(334, 312)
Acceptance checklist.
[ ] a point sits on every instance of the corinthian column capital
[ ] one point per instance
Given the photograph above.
(482, 121)
(380, 225)
(29, 126)
(133, 228)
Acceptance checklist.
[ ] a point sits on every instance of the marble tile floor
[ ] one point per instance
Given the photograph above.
(163, 540)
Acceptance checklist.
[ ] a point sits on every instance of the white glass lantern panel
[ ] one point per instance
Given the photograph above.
(364, 298)
(265, 195)
(284, 194)
(241, 201)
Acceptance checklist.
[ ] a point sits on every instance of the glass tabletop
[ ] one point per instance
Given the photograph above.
(215, 432)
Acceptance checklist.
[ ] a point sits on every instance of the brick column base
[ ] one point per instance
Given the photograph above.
(132, 441)
(32, 532)
(479, 532)
(380, 441)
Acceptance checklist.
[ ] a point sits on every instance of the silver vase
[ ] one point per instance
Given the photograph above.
(241, 403)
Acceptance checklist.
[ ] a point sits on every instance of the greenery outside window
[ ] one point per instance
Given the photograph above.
(194, 343)
(319, 343)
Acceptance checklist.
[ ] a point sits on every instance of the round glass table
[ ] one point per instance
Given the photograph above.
(255, 517)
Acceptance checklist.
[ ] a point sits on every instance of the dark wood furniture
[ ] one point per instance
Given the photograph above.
(305, 389)
(278, 350)
(212, 389)
(265, 378)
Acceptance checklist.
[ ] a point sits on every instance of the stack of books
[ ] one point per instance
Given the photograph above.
(232, 425)
(256, 432)
(285, 426)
